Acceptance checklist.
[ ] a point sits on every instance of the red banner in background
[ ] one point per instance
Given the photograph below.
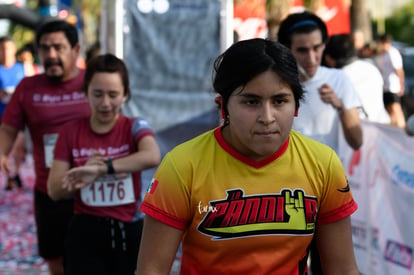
(296, 3)
(336, 15)
(250, 16)
(250, 19)
(250, 8)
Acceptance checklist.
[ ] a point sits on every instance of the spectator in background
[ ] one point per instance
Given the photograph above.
(26, 55)
(43, 103)
(366, 78)
(389, 62)
(331, 102)
(11, 72)
(369, 51)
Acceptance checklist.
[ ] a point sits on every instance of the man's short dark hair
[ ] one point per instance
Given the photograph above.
(341, 48)
(55, 25)
(298, 23)
(386, 37)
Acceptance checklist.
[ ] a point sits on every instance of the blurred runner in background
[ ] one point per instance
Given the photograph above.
(43, 103)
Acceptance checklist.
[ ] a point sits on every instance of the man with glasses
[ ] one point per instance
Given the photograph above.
(43, 103)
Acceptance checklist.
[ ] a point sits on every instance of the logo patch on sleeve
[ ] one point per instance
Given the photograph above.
(153, 185)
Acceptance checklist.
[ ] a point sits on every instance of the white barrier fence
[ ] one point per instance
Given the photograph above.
(381, 176)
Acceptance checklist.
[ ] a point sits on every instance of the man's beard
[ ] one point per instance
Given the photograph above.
(49, 63)
(55, 77)
(52, 62)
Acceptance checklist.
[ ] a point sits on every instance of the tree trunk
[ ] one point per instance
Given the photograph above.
(361, 18)
(276, 11)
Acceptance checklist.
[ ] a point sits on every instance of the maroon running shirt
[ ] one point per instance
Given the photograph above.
(43, 105)
(116, 196)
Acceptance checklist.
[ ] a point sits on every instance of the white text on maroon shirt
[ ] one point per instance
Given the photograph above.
(53, 98)
(110, 151)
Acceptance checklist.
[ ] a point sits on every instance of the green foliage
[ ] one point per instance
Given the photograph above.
(401, 24)
(22, 35)
(91, 8)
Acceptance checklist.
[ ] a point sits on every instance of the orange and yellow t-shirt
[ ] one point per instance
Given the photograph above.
(240, 216)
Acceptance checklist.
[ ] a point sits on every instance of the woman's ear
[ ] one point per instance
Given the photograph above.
(219, 101)
(223, 114)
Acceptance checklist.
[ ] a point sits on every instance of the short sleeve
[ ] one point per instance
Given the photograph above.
(396, 58)
(349, 95)
(140, 129)
(337, 201)
(168, 198)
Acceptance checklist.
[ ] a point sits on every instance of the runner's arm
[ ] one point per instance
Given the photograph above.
(335, 248)
(55, 188)
(351, 125)
(159, 244)
(147, 156)
(401, 76)
(8, 135)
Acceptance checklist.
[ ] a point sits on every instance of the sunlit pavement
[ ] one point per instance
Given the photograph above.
(18, 246)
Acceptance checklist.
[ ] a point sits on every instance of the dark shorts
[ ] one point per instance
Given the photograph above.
(52, 220)
(98, 245)
(390, 98)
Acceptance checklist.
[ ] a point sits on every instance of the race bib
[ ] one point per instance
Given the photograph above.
(49, 142)
(109, 191)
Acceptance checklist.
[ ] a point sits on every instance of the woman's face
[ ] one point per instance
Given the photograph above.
(106, 96)
(260, 116)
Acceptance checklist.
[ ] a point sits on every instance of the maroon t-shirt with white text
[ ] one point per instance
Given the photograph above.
(43, 105)
(77, 142)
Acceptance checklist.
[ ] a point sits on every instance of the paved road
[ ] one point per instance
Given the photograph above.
(18, 247)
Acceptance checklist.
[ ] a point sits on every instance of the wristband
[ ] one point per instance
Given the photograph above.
(110, 166)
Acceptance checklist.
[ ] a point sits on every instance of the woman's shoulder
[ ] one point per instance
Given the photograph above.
(305, 143)
(199, 144)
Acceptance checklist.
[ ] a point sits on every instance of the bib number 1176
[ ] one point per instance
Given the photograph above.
(109, 192)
